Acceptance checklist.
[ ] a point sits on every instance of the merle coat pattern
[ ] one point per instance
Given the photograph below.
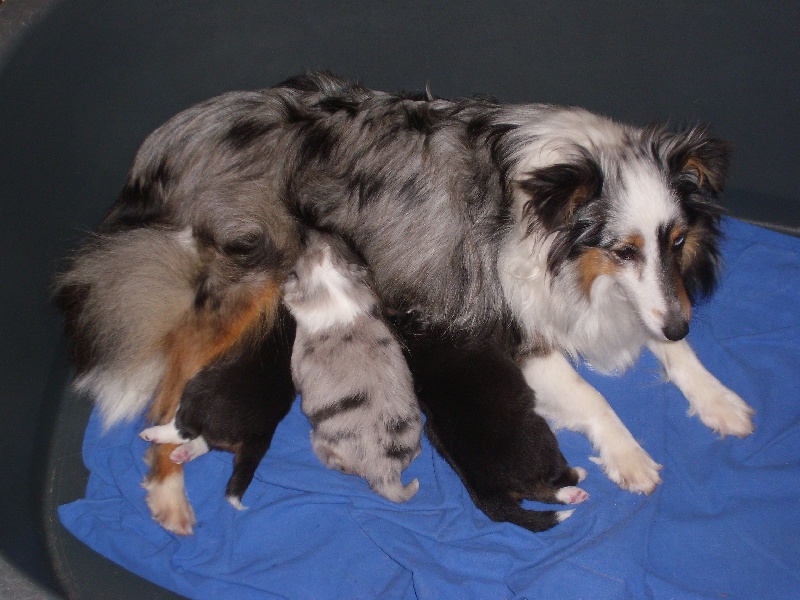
(355, 385)
(582, 235)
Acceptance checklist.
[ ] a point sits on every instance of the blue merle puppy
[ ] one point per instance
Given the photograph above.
(356, 388)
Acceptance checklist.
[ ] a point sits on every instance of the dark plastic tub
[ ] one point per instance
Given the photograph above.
(83, 82)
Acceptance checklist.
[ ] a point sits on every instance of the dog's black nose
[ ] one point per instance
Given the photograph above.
(676, 329)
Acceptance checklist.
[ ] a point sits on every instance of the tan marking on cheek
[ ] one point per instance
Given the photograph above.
(592, 264)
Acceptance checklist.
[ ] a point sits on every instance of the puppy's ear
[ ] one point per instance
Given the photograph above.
(694, 153)
(556, 192)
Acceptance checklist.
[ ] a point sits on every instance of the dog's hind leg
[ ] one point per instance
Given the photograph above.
(203, 336)
(567, 400)
(166, 493)
(718, 407)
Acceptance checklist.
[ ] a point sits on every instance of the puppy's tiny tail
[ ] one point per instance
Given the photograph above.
(396, 491)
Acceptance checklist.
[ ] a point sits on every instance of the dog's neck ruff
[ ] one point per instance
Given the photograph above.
(554, 311)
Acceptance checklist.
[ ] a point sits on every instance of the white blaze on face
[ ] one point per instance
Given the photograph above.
(645, 204)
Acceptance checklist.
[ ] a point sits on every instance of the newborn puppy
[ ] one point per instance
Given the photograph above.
(347, 365)
(480, 417)
(235, 404)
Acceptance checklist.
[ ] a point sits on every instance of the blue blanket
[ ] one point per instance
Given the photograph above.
(725, 522)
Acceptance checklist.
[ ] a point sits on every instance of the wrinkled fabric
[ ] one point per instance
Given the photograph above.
(724, 523)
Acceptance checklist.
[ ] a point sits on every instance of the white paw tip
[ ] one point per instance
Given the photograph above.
(236, 502)
(581, 473)
(563, 515)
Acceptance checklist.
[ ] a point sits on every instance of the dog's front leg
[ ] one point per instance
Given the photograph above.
(566, 400)
(718, 407)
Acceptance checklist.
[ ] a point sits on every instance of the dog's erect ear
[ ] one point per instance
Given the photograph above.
(695, 153)
(556, 192)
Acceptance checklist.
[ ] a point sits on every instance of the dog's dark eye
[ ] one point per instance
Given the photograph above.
(626, 252)
(677, 243)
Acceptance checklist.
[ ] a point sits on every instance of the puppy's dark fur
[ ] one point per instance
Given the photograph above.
(237, 402)
(479, 416)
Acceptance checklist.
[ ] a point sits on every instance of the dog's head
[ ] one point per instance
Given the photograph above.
(642, 213)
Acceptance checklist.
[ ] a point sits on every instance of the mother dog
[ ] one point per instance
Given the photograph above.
(578, 235)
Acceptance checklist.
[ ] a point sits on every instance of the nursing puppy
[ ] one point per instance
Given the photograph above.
(585, 236)
(355, 385)
(480, 417)
(233, 404)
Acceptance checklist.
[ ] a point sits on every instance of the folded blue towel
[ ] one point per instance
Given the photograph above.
(724, 523)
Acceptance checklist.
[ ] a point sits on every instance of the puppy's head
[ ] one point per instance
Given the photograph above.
(642, 215)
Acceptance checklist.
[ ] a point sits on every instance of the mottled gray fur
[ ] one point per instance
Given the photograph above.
(356, 389)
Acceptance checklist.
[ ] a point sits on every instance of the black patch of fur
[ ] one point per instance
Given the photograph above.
(316, 144)
(246, 132)
(398, 426)
(480, 418)
(399, 452)
(420, 118)
(341, 405)
(140, 203)
(366, 188)
(557, 191)
(336, 104)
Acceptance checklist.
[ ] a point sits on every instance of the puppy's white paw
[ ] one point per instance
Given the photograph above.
(571, 495)
(162, 434)
(580, 472)
(236, 502)
(724, 411)
(168, 504)
(631, 468)
(189, 451)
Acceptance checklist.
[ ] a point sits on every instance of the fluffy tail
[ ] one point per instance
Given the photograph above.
(121, 296)
(395, 491)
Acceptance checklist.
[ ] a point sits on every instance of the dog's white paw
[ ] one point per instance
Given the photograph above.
(724, 411)
(168, 504)
(571, 495)
(631, 468)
